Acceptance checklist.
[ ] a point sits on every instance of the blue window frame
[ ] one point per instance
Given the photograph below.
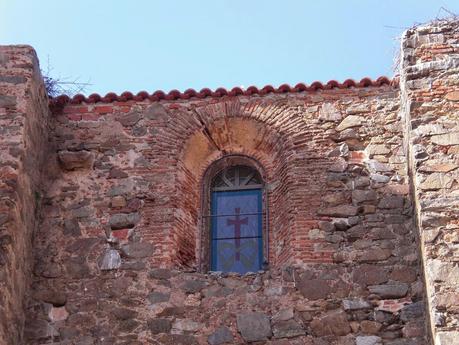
(237, 221)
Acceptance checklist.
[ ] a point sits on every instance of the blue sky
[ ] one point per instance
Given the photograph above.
(171, 44)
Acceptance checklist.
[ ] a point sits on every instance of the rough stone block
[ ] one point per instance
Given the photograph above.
(72, 160)
(137, 250)
(254, 326)
(389, 290)
(287, 329)
(222, 335)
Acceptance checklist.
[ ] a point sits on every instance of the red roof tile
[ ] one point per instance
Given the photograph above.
(190, 93)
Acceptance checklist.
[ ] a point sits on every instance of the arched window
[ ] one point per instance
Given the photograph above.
(236, 220)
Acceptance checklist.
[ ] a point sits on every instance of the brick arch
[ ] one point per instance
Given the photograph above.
(219, 136)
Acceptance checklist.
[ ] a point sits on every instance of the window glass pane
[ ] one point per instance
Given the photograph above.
(240, 256)
(236, 212)
(236, 231)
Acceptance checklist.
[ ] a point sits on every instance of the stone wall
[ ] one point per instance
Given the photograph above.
(361, 199)
(430, 98)
(24, 116)
(125, 209)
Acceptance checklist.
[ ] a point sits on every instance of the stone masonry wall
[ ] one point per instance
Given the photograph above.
(24, 115)
(430, 98)
(106, 243)
(119, 253)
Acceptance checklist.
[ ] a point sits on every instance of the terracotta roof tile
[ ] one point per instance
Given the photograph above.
(220, 92)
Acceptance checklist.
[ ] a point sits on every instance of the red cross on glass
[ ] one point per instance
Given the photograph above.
(237, 231)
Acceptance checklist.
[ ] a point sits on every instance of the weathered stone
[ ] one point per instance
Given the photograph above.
(435, 166)
(447, 338)
(452, 96)
(222, 335)
(178, 339)
(357, 109)
(56, 298)
(389, 290)
(137, 250)
(283, 315)
(442, 271)
(160, 273)
(124, 313)
(71, 160)
(377, 167)
(77, 268)
(232, 283)
(436, 181)
(377, 149)
(404, 274)
(369, 275)
(314, 288)
(391, 201)
(58, 314)
(355, 304)
(374, 254)
(7, 101)
(378, 178)
(350, 121)
(118, 201)
(129, 119)
(185, 325)
(339, 211)
(333, 323)
(12, 79)
(192, 286)
(447, 301)
(39, 329)
(339, 165)
(158, 297)
(253, 326)
(359, 196)
(156, 111)
(370, 327)
(368, 340)
(446, 139)
(110, 260)
(117, 173)
(328, 112)
(414, 329)
(72, 227)
(287, 329)
(124, 220)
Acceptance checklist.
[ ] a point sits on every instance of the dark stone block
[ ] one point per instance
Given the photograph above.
(222, 335)
(192, 286)
(160, 325)
(314, 288)
(138, 250)
(254, 326)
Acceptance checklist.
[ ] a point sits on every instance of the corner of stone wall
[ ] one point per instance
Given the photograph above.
(24, 116)
(429, 84)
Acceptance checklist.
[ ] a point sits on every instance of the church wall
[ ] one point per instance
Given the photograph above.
(102, 235)
(24, 116)
(430, 99)
(118, 252)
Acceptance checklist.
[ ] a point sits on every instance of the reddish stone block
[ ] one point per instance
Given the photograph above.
(121, 235)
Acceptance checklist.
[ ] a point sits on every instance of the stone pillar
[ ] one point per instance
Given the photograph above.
(23, 141)
(429, 84)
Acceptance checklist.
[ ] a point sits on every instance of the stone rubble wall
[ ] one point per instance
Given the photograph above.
(124, 211)
(430, 102)
(24, 116)
(360, 187)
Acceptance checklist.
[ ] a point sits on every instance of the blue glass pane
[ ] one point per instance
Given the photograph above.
(236, 231)
(235, 255)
